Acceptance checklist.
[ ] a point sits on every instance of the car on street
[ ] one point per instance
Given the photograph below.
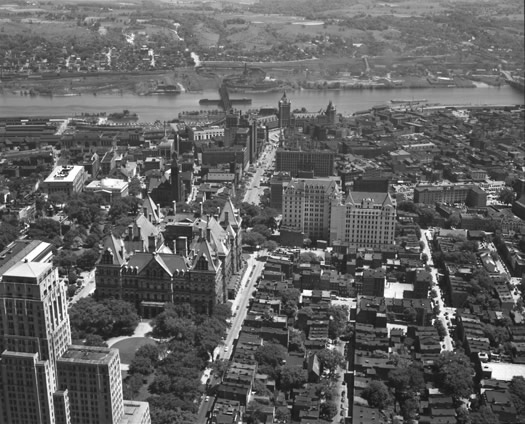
(207, 399)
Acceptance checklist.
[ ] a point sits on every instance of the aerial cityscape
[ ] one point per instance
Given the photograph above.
(262, 211)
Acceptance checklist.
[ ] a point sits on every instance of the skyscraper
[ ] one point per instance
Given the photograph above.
(36, 384)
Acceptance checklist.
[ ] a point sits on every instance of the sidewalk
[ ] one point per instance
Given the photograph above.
(142, 329)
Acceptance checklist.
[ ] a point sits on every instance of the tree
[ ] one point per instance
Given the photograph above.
(328, 410)
(88, 259)
(377, 395)
(270, 356)
(253, 238)
(150, 351)
(291, 377)
(141, 365)
(131, 385)
(507, 196)
(454, 374)
(484, 416)
(440, 327)
(338, 320)
(406, 381)
(296, 341)
(135, 186)
(309, 257)
(517, 392)
(410, 314)
(107, 318)
(95, 340)
(331, 359)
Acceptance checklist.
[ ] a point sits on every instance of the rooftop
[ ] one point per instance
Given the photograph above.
(66, 173)
(88, 354)
(107, 183)
(27, 269)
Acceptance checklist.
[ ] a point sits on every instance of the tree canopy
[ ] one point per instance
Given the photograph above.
(454, 374)
(107, 318)
(377, 395)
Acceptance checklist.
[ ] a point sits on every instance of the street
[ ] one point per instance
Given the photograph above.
(254, 189)
(239, 309)
(446, 344)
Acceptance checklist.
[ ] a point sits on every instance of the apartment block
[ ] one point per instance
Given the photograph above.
(307, 206)
(364, 219)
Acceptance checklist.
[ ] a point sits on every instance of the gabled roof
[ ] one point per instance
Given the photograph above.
(171, 263)
(233, 219)
(115, 245)
(218, 235)
(203, 248)
(151, 208)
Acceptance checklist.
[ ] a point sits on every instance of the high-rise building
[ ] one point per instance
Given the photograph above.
(307, 206)
(285, 111)
(35, 343)
(91, 376)
(364, 218)
(321, 162)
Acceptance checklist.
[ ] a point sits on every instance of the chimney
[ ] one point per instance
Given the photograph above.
(208, 234)
(158, 209)
(151, 243)
(182, 245)
(226, 220)
(145, 211)
(150, 218)
(174, 207)
(202, 210)
(218, 211)
(174, 247)
(130, 232)
(122, 251)
(139, 233)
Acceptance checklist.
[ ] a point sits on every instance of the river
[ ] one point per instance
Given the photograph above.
(151, 108)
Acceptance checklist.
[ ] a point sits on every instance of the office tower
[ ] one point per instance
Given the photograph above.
(363, 218)
(43, 379)
(307, 206)
(91, 375)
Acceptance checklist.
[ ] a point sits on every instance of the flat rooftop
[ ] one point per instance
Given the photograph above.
(108, 184)
(504, 370)
(88, 354)
(66, 173)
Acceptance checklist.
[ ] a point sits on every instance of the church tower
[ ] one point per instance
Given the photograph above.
(331, 113)
(285, 107)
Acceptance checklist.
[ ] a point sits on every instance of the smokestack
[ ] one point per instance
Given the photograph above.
(208, 234)
(202, 210)
(174, 247)
(174, 207)
(158, 210)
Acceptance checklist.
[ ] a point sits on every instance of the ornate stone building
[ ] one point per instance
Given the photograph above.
(140, 268)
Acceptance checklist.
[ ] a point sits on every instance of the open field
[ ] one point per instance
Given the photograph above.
(128, 347)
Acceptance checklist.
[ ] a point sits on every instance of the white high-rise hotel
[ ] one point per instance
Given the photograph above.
(43, 378)
(317, 208)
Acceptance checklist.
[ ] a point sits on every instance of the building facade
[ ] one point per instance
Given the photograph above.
(194, 269)
(469, 194)
(321, 162)
(307, 206)
(365, 219)
(65, 179)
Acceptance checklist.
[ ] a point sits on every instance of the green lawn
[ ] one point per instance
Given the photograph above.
(128, 347)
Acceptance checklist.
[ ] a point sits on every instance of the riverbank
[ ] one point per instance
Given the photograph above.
(188, 79)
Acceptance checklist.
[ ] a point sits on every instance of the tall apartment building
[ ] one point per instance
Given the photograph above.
(307, 206)
(294, 161)
(365, 219)
(35, 341)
